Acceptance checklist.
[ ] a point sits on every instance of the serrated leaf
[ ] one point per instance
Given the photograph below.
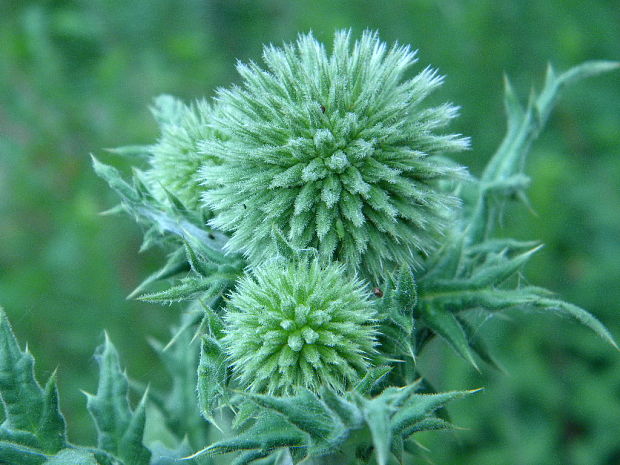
(52, 427)
(428, 424)
(119, 429)
(270, 431)
(447, 326)
(189, 289)
(131, 150)
(524, 126)
(23, 438)
(377, 413)
(309, 414)
(32, 416)
(130, 447)
(22, 396)
(371, 379)
(198, 264)
(579, 314)
(478, 345)
(14, 454)
(175, 264)
(113, 177)
(211, 376)
(419, 406)
(251, 456)
(347, 411)
(497, 273)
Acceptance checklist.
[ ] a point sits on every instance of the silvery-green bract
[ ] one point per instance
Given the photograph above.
(299, 325)
(336, 150)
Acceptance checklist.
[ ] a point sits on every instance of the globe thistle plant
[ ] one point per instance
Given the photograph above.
(299, 325)
(175, 159)
(336, 151)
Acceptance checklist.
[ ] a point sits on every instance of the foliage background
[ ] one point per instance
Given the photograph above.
(77, 76)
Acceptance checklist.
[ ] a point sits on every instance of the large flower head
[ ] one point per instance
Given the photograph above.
(176, 158)
(334, 150)
(299, 325)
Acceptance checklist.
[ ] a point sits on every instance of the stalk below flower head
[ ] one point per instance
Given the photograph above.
(334, 150)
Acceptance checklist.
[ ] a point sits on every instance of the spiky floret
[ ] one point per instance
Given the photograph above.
(336, 151)
(292, 325)
(175, 159)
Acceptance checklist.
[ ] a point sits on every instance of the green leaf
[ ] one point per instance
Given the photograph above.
(428, 424)
(283, 246)
(310, 415)
(251, 456)
(197, 263)
(377, 413)
(478, 345)
(119, 429)
(113, 177)
(14, 454)
(72, 457)
(524, 126)
(21, 394)
(211, 376)
(347, 411)
(190, 288)
(180, 358)
(372, 379)
(419, 407)
(32, 416)
(405, 295)
(52, 428)
(176, 263)
(270, 431)
(579, 314)
(447, 326)
(131, 150)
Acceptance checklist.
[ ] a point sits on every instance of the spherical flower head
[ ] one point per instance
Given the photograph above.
(176, 158)
(299, 325)
(334, 150)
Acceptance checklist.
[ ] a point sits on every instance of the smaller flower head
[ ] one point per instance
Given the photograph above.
(175, 158)
(299, 325)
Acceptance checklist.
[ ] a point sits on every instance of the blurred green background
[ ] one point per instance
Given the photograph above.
(77, 76)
